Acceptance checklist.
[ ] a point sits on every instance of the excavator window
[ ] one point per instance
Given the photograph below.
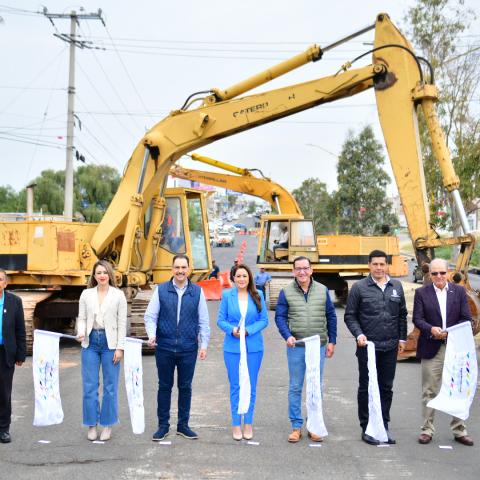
(197, 234)
(302, 233)
(173, 236)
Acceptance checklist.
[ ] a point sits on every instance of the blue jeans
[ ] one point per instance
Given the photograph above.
(95, 355)
(296, 371)
(232, 362)
(166, 363)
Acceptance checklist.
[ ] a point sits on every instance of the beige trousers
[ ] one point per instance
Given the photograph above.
(431, 382)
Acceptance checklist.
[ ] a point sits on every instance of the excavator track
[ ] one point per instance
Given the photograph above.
(30, 299)
(274, 287)
(137, 309)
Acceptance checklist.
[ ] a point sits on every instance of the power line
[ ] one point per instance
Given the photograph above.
(36, 77)
(103, 100)
(99, 124)
(128, 73)
(114, 90)
(30, 88)
(30, 142)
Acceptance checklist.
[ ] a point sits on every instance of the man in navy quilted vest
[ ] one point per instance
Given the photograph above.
(177, 323)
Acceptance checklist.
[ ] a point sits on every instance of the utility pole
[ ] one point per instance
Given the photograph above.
(74, 42)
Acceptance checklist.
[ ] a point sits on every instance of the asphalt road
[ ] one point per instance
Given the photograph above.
(215, 455)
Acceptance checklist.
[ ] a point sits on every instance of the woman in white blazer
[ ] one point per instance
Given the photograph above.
(101, 328)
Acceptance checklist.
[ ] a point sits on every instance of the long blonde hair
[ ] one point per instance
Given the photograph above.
(92, 281)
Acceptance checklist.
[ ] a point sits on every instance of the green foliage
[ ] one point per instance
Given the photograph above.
(94, 188)
(195, 215)
(362, 206)
(315, 203)
(232, 200)
(8, 199)
(48, 194)
(251, 207)
(434, 27)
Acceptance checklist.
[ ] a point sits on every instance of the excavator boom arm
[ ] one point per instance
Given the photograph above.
(273, 193)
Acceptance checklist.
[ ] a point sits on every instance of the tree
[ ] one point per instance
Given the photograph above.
(251, 207)
(315, 203)
(435, 27)
(361, 202)
(95, 186)
(8, 199)
(48, 194)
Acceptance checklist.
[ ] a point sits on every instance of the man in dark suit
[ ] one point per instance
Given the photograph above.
(12, 351)
(437, 306)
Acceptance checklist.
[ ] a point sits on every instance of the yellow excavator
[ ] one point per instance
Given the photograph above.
(49, 259)
(335, 258)
(401, 88)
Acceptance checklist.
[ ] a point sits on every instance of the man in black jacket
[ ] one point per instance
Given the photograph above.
(376, 312)
(12, 351)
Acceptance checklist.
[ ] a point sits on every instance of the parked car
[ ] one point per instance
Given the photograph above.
(230, 229)
(241, 227)
(223, 239)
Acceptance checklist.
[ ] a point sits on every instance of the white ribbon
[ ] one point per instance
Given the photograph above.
(244, 377)
(375, 427)
(459, 375)
(45, 363)
(313, 400)
(132, 366)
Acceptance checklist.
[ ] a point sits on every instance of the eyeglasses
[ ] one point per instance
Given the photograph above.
(301, 269)
(434, 274)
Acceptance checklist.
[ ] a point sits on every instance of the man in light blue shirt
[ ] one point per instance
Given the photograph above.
(176, 322)
(261, 279)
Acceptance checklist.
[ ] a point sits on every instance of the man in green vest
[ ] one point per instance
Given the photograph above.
(304, 309)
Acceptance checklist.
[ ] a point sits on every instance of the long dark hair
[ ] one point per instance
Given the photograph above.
(251, 285)
(92, 281)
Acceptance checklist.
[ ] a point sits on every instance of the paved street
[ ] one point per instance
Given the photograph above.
(215, 455)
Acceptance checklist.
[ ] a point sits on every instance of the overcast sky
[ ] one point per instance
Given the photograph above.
(153, 54)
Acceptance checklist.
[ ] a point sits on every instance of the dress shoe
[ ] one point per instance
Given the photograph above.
(370, 440)
(237, 433)
(314, 438)
(247, 432)
(160, 434)
(424, 438)
(106, 434)
(390, 439)
(186, 432)
(295, 436)
(5, 437)
(465, 440)
(92, 433)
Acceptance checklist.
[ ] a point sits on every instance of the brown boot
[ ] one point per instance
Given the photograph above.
(314, 438)
(295, 436)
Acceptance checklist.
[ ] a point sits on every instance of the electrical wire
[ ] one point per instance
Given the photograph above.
(103, 100)
(114, 89)
(128, 73)
(31, 143)
(35, 78)
(105, 132)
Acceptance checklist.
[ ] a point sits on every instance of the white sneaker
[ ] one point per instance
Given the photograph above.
(92, 433)
(106, 434)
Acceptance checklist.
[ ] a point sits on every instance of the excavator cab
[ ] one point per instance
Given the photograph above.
(283, 238)
(184, 230)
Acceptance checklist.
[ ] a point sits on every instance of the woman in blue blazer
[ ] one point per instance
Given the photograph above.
(242, 301)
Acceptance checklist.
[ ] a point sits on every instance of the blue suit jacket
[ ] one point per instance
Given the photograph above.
(229, 317)
(426, 314)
